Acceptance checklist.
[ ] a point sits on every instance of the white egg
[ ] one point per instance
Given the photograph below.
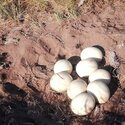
(63, 65)
(100, 90)
(92, 53)
(60, 81)
(100, 74)
(76, 87)
(82, 104)
(86, 67)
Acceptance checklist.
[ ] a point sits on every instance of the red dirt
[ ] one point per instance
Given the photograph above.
(33, 51)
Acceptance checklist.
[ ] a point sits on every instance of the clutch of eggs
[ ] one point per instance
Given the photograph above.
(83, 97)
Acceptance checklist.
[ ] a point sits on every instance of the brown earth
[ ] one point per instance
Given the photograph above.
(30, 51)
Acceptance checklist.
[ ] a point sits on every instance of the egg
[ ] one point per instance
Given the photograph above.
(76, 87)
(86, 67)
(60, 81)
(83, 104)
(100, 90)
(100, 74)
(63, 65)
(92, 53)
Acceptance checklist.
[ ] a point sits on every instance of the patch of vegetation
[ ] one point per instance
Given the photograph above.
(14, 9)
(62, 9)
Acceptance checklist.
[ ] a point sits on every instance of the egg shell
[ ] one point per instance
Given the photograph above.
(100, 90)
(92, 53)
(82, 104)
(100, 74)
(76, 87)
(63, 65)
(60, 81)
(86, 67)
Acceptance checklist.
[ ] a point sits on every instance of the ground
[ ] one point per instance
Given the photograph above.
(29, 50)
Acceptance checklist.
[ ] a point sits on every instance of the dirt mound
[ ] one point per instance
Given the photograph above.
(28, 54)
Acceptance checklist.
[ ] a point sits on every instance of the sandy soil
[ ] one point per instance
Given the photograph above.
(28, 53)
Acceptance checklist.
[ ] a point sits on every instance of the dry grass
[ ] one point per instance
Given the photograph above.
(12, 8)
(15, 8)
(62, 9)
